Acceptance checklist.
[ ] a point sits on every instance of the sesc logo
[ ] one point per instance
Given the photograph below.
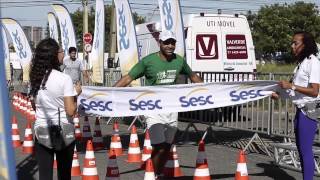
(21, 52)
(150, 104)
(244, 95)
(166, 8)
(88, 105)
(190, 100)
(123, 40)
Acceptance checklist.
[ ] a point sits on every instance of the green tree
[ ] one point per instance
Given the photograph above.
(77, 18)
(273, 26)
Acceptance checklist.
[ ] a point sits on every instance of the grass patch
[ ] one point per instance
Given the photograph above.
(275, 68)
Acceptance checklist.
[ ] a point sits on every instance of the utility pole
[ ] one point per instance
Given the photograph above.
(85, 26)
(112, 39)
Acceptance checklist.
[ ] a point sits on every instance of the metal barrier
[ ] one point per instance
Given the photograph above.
(266, 116)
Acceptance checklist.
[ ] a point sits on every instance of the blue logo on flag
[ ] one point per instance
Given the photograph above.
(65, 35)
(166, 9)
(22, 54)
(124, 42)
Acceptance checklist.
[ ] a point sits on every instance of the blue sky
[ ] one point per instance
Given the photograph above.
(34, 12)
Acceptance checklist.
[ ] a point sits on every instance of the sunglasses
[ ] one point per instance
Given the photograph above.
(169, 41)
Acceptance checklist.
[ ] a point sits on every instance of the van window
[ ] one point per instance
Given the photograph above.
(206, 47)
(236, 46)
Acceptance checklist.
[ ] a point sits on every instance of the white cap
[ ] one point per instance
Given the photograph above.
(165, 35)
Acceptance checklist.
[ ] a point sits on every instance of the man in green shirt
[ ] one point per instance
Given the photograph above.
(161, 68)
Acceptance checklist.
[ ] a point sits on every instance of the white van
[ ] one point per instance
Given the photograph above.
(214, 42)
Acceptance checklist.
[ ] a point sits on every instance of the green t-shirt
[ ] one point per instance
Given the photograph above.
(158, 71)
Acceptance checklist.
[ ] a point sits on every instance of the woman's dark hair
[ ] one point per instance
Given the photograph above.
(45, 59)
(310, 46)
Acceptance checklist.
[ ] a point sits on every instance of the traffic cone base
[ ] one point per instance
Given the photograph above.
(15, 133)
(112, 169)
(242, 171)
(115, 144)
(90, 171)
(27, 147)
(97, 136)
(75, 170)
(28, 144)
(86, 131)
(147, 148)
(149, 174)
(172, 167)
(134, 153)
(202, 168)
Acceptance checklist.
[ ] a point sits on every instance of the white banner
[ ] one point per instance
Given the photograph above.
(129, 101)
(126, 38)
(6, 53)
(171, 20)
(20, 43)
(97, 54)
(53, 27)
(68, 38)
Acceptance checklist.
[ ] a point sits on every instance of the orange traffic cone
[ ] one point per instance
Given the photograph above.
(24, 107)
(28, 109)
(15, 133)
(14, 100)
(19, 101)
(134, 153)
(28, 144)
(55, 164)
(147, 149)
(115, 144)
(149, 175)
(90, 171)
(97, 136)
(86, 131)
(242, 172)
(75, 170)
(172, 167)
(77, 130)
(112, 168)
(202, 169)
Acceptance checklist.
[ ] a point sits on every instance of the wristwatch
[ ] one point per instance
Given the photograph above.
(293, 87)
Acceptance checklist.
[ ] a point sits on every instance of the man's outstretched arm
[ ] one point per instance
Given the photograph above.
(195, 78)
(123, 82)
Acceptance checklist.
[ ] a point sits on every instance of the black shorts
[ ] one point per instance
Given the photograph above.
(162, 133)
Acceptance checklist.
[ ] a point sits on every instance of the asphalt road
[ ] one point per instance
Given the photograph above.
(221, 153)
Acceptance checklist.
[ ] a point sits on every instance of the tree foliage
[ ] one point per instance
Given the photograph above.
(77, 18)
(273, 26)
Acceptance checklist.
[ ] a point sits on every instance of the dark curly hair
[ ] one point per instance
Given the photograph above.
(45, 59)
(310, 46)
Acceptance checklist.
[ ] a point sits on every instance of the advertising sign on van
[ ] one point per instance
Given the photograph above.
(206, 46)
(236, 47)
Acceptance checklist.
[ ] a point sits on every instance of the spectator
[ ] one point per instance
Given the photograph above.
(54, 101)
(304, 87)
(74, 66)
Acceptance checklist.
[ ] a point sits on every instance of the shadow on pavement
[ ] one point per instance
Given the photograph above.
(27, 168)
(274, 172)
(131, 171)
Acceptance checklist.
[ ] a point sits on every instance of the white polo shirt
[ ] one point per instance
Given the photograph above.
(308, 71)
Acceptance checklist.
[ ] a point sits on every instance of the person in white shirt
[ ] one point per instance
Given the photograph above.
(304, 87)
(54, 101)
(74, 66)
